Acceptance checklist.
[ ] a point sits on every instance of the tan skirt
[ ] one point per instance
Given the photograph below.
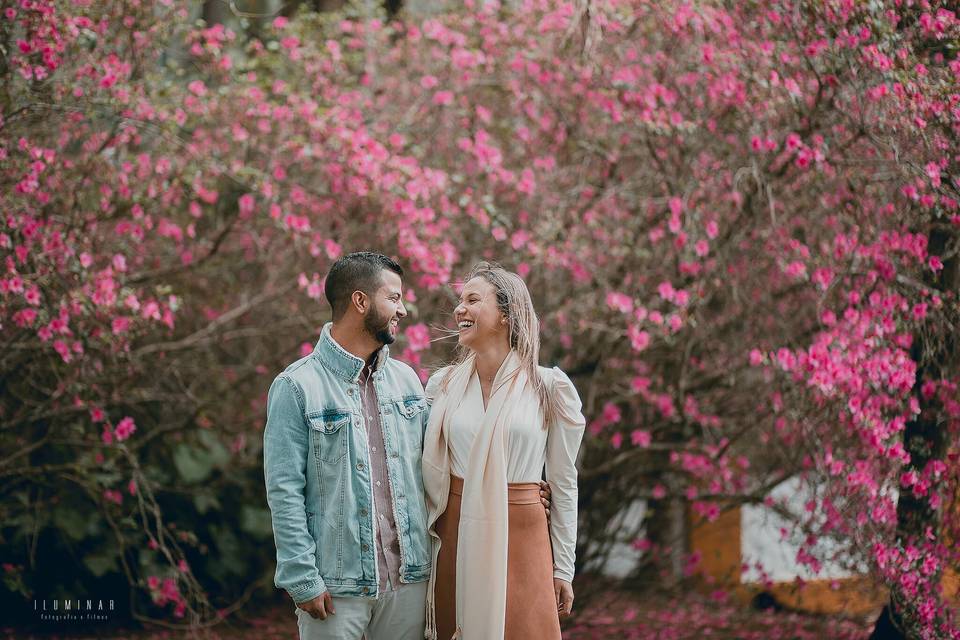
(531, 612)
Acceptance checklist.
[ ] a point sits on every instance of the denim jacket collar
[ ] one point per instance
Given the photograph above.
(342, 362)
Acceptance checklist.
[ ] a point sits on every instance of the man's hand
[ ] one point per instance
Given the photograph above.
(319, 607)
(545, 495)
(564, 593)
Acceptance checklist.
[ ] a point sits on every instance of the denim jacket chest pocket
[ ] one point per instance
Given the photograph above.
(409, 426)
(410, 408)
(330, 434)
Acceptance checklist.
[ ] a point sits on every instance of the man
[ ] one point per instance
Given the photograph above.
(341, 453)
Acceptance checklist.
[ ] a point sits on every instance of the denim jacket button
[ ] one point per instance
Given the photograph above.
(359, 466)
(365, 546)
(365, 590)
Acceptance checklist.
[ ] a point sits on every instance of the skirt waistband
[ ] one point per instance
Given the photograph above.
(517, 492)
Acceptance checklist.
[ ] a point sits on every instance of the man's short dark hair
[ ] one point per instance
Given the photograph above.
(360, 271)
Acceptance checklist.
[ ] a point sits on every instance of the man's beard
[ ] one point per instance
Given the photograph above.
(379, 327)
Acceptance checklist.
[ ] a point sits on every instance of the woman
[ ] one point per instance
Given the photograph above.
(497, 420)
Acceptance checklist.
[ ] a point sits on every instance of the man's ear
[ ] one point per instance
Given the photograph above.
(359, 301)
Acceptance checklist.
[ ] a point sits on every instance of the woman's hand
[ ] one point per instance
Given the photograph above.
(545, 496)
(564, 593)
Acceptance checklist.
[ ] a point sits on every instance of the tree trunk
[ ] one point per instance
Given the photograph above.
(924, 438)
(667, 528)
(215, 12)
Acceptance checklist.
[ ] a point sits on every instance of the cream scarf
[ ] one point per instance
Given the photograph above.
(482, 543)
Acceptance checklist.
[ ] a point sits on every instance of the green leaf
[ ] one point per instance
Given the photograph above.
(256, 522)
(70, 522)
(192, 464)
(219, 455)
(196, 462)
(100, 563)
(205, 501)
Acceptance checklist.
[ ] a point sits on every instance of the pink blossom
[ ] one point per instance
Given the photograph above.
(418, 337)
(665, 289)
(616, 440)
(933, 172)
(640, 438)
(639, 339)
(25, 317)
(786, 359)
(611, 413)
(619, 302)
(32, 295)
(519, 239)
(63, 349)
(120, 325)
(125, 429)
(443, 98)
(796, 269)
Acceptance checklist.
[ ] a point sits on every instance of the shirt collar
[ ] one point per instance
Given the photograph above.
(341, 361)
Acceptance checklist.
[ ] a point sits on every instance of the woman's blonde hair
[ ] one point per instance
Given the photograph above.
(514, 302)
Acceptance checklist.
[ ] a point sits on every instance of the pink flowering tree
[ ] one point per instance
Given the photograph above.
(739, 224)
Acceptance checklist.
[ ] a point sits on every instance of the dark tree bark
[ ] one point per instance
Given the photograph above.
(925, 437)
(215, 12)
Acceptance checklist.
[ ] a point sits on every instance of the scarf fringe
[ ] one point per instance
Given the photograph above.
(430, 630)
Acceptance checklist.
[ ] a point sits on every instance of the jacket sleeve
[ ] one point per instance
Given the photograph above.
(285, 446)
(563, 444)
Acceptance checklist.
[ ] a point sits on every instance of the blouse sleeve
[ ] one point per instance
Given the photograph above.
(563, 443)
(430, 392)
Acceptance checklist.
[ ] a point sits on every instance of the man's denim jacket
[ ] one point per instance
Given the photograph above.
(317, 470)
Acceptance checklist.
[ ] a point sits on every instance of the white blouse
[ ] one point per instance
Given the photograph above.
(528, 448)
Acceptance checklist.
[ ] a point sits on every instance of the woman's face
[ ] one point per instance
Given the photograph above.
(479, 320)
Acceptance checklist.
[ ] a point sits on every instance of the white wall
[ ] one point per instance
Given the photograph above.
(761, 540)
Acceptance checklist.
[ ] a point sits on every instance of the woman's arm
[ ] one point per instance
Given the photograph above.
(563, 444)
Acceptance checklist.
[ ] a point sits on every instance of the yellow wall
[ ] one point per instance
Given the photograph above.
(719, 545)
(720, 568)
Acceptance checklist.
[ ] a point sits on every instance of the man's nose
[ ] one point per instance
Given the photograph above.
(402, 310)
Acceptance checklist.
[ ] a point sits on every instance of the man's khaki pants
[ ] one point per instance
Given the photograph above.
(397, 614)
